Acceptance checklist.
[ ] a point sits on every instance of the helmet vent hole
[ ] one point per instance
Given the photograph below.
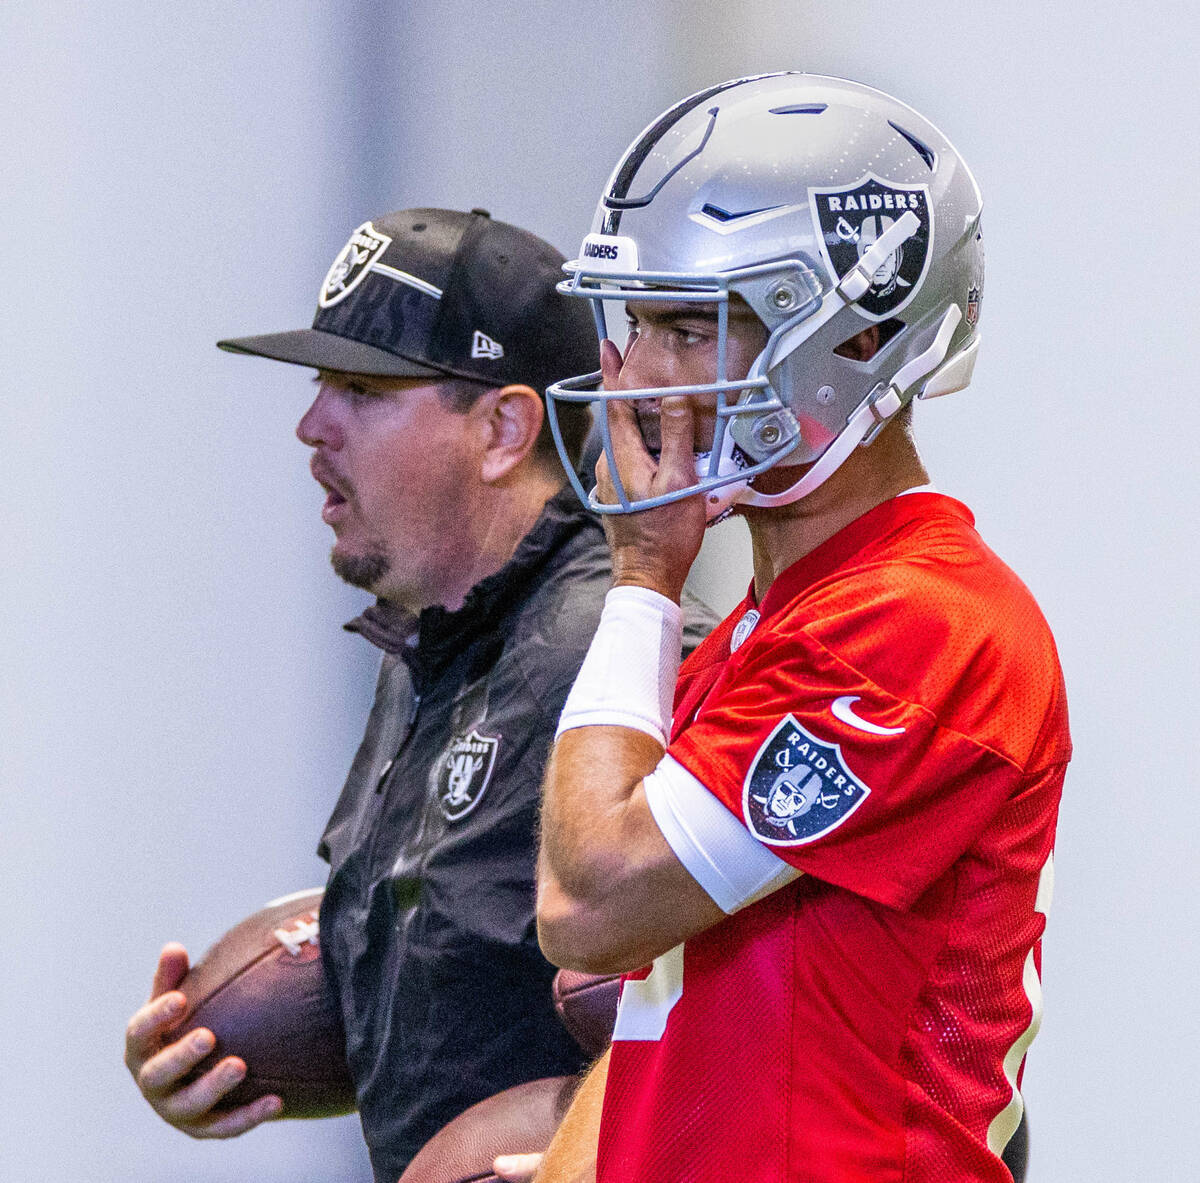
(866, 343)
(800, 109)
(924, 151)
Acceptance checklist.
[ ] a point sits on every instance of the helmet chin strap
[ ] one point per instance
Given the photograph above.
(719, 502)
(872, 413)
(853, 434)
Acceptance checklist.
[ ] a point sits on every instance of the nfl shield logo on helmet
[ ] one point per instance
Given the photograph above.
(798, 788)
(973, 296)
(849, 220)
(350, 267)
(463, 773)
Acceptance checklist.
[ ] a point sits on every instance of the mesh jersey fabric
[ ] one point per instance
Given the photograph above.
(868, 1020)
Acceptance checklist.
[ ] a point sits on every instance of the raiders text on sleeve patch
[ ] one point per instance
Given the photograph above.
(798, 787)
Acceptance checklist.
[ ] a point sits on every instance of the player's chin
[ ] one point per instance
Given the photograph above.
(779, 479)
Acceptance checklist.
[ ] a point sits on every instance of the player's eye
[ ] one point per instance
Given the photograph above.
(356, 390)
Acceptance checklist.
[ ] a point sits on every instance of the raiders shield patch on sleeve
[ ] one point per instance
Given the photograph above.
(798, 787)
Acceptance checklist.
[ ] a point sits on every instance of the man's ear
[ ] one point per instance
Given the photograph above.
(513, 418)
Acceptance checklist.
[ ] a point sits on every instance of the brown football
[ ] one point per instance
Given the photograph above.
(261, 990)
(587, 1005)
(520, 1120)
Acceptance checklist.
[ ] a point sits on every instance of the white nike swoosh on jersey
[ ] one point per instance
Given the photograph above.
(841, 710)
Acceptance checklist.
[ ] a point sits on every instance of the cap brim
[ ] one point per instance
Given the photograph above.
(328, 351)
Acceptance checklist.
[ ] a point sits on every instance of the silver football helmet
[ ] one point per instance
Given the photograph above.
(826, 206)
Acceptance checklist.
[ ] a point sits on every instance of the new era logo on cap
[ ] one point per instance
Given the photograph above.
(483, 346)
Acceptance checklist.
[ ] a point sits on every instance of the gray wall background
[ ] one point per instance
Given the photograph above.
(179, 703)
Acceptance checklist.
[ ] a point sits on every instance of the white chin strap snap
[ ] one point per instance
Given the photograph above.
(719, 503)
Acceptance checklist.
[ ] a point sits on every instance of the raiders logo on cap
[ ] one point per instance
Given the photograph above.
(849, 220)
(350, 267)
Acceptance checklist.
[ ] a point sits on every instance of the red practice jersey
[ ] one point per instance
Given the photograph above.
(890, 723)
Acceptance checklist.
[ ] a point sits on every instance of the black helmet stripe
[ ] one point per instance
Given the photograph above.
(642, 147)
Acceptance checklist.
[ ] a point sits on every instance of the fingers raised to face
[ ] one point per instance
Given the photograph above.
(677, 459)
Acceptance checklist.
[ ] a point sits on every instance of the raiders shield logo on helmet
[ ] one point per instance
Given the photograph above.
(849, 220)
(463, 773)
(799, 787)
(350, 267)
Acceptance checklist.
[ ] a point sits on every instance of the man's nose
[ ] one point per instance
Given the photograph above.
(639, 367)
(319, 425)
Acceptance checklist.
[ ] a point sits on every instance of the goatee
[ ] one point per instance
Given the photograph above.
(365, 571)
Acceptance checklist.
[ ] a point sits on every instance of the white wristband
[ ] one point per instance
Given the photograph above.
(628, 676)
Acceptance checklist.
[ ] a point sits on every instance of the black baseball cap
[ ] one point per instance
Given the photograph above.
(434, 292)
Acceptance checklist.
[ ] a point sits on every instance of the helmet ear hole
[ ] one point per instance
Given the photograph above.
(866, 343)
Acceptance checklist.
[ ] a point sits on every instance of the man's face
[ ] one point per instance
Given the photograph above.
(675, 344)
(400, 469)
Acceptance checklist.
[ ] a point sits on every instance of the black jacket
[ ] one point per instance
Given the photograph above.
(427, 926)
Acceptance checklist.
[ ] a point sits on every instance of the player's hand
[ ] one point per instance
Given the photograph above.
(517, 1168)
(653, 548)
(160, 1065)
